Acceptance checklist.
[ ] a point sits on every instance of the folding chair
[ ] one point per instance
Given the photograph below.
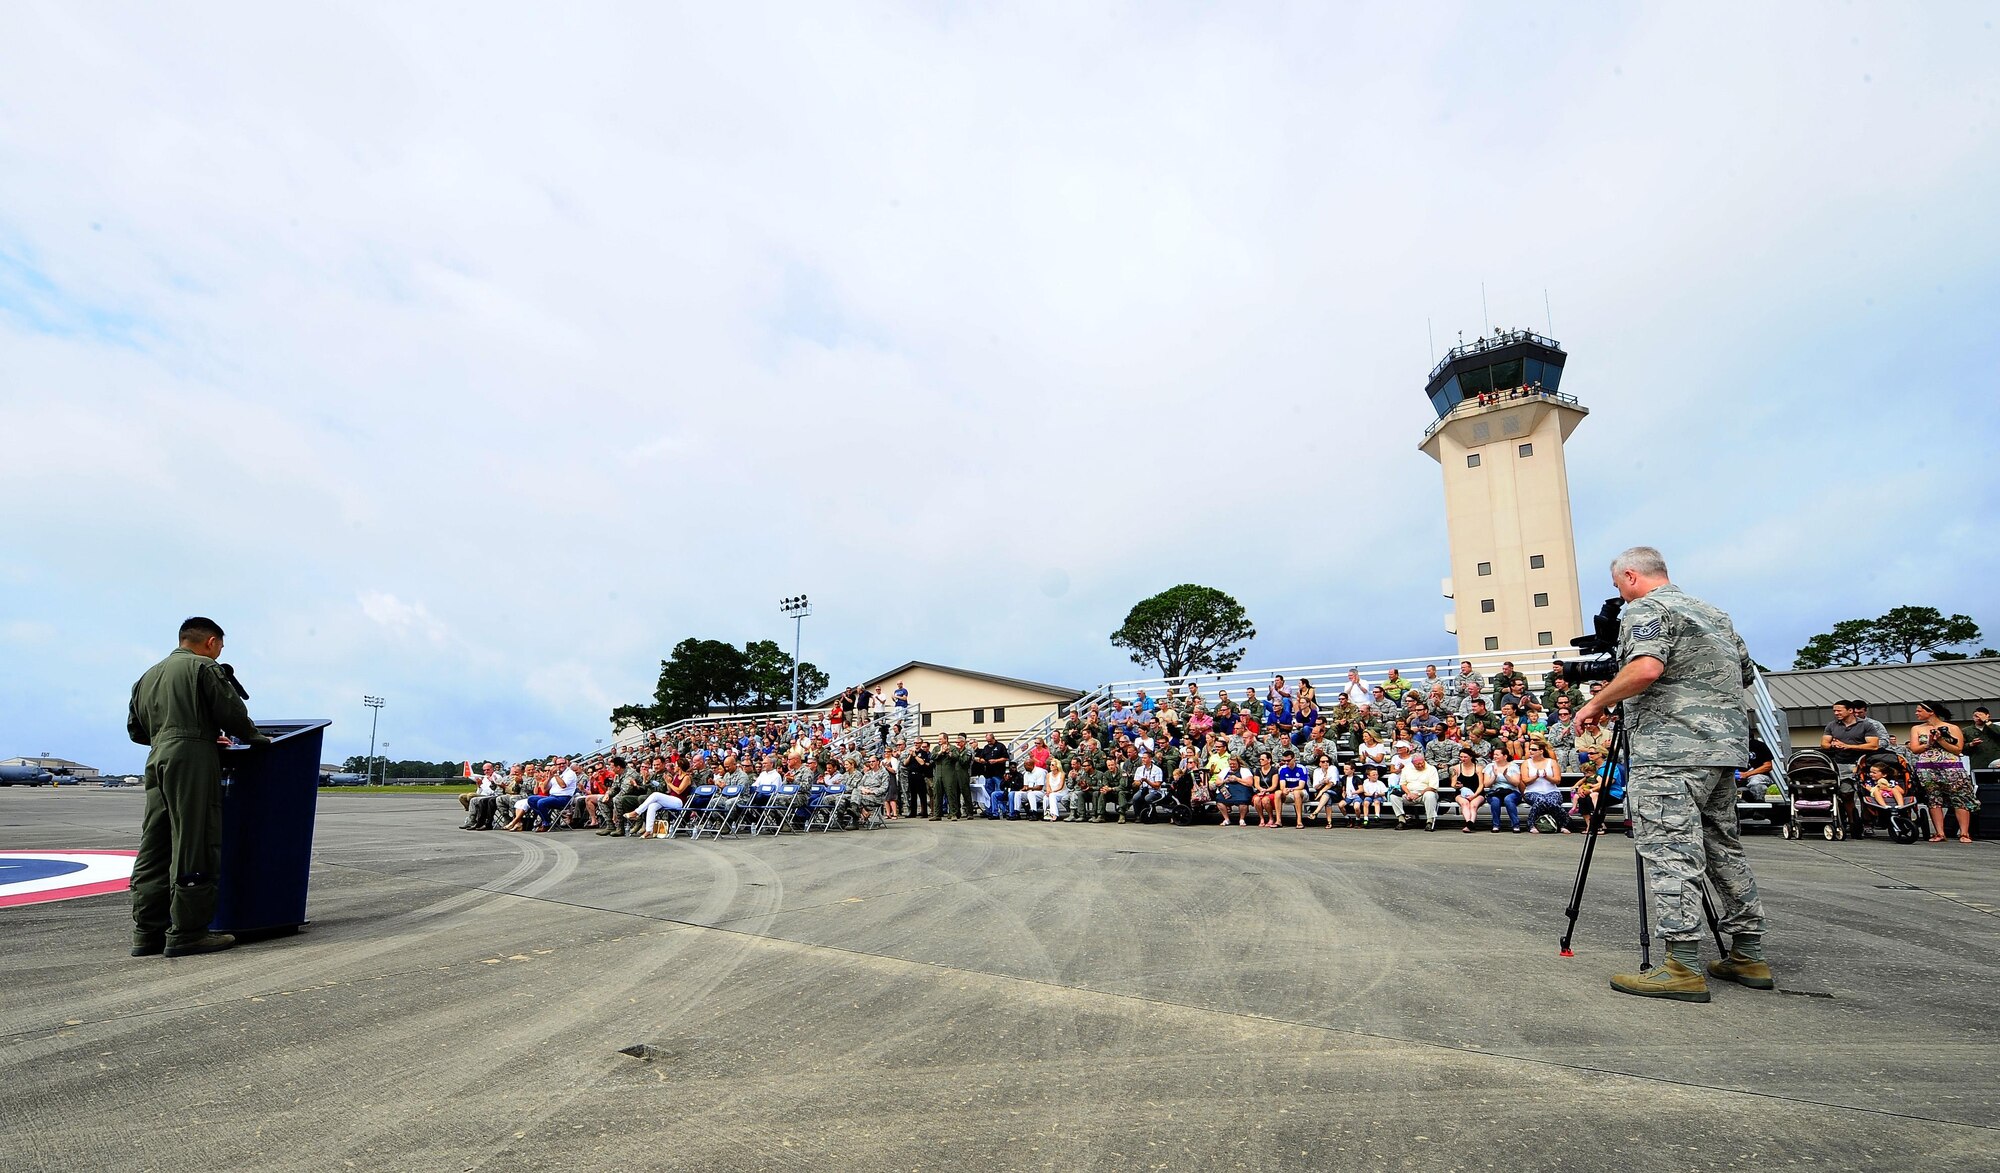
(756, 806)
(688, 815)
(717, 811)
(811, 807)
(828, 801)
(778, 811)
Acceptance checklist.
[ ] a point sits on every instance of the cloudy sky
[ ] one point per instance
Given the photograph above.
(474, 354)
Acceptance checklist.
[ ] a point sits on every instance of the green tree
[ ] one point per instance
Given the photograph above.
(1907, 632)
(1847, 643)
(1186, 629)
(700, 674)
(1899, 636)
(770, 668)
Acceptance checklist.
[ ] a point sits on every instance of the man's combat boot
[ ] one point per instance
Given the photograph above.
(1744, 971)
(208, 943)
(148, 946)
(1669, 979)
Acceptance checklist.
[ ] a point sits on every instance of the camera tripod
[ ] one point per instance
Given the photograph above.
(1617, 765)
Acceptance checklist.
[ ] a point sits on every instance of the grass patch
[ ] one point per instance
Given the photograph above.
(412, 789)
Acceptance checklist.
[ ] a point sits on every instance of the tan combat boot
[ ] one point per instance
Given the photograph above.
(1669, 979)
(1743, 971)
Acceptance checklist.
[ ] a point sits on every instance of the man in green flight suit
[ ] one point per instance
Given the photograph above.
(943, 787)
(182, 707)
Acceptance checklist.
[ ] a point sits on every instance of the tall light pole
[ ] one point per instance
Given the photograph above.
(374, 704)
(798, 608)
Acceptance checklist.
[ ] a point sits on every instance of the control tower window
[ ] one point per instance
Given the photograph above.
(1492, 643)
(1472, 461)
(1485, 568)
(1527, 449)
(1536, 562)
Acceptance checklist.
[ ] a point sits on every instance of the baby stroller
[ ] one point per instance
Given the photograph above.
(1905, 819)
(1165, 809)
(1198, 808)
(1815, 798)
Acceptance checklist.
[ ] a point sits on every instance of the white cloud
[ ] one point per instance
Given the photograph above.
(402, 619)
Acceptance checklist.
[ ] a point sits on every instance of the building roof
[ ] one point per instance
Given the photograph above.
(1959, 682)
(46, 763)
(1052, 689)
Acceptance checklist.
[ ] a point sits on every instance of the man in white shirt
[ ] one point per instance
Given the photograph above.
(1149, 785)
(1356, 692)
(544, 807)
(483, 802)
(1420, 784)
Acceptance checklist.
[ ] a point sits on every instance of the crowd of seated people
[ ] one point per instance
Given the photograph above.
(1395, 752)
(636, 789)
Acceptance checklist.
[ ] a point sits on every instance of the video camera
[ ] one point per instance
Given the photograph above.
(1598, 646)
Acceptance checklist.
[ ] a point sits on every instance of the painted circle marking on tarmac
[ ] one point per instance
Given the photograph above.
(38, 877)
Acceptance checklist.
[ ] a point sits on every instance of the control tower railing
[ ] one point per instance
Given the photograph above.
(1486, 342)
(1470, 404)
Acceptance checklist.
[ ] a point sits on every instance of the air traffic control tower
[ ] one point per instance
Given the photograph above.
(1501, 423)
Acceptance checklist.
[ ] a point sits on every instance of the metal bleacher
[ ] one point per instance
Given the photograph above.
(1767, 719)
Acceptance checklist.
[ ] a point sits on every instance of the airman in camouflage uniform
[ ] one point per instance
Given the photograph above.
(733, 774)
(625, 795)
(871, 792)
(1682, 681)
(1562, 743)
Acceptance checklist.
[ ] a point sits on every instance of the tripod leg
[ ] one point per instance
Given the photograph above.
(1590, 829)
(1645, 929)
(1714, 920)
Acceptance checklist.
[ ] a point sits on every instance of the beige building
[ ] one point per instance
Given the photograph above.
(1499, 439)
(62, 766)
(958, 700)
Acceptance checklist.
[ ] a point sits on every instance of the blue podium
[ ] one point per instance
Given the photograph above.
(269, 794)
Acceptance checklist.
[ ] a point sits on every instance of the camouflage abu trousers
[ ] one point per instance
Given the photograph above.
(1684, 824)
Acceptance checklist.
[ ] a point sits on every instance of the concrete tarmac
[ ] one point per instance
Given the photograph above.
(989, 995)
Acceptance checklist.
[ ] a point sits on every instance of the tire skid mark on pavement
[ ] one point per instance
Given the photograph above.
(698, 967)
(520, 1035)
(303, 961)
(1245, 1016)
(565, 866)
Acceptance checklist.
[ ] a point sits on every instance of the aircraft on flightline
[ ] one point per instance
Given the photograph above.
(29, 776)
